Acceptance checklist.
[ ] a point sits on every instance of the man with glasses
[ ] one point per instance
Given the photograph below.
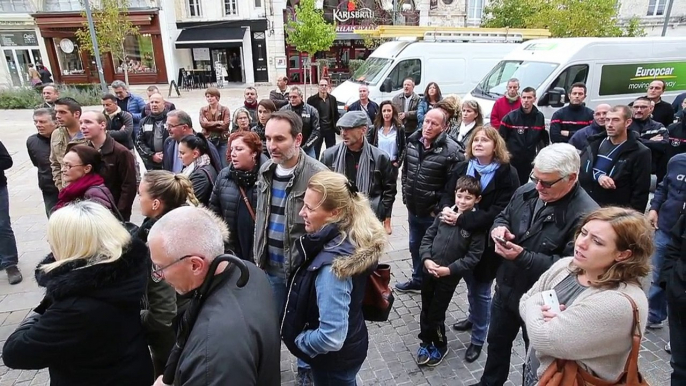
(535, 229)
(327, 107)
(651, 133)
(309, 117)
(243, 319)
(614, 168)
(179, 125)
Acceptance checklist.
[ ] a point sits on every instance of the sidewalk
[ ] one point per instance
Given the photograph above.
(392, 345)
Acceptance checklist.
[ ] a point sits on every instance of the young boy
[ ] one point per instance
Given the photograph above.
(447, 252)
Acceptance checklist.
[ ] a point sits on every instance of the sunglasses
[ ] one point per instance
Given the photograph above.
(545, 184)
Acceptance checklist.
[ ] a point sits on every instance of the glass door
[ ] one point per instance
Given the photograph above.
(12, 67)
(23, 60)
(220, 61)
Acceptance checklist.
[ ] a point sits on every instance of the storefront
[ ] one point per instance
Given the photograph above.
(227, 51)
(19, 48)
(348, 16)
(144, 52)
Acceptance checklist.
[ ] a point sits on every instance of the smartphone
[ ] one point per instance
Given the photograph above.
(500, 240)
(550, 300)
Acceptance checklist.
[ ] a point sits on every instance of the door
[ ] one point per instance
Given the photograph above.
(220, 60)
(259, 57)
(12, 67)
(295, 67)
(23, 61)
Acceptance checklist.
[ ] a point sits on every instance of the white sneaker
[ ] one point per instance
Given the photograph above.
(655, 326)
(668, 347)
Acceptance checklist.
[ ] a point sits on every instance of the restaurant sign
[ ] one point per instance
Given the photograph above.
(351, 12)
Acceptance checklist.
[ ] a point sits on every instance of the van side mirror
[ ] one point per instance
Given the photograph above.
(387, 85)
(556, 97)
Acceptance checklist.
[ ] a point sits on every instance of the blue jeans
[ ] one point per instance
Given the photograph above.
(657, 301)
(8, 244)
(222, 149)
(280, 288)
(418, 227)
(311, 153)
(479, 297)
(328, 377)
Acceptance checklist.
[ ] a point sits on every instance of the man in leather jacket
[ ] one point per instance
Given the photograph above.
(310, 119)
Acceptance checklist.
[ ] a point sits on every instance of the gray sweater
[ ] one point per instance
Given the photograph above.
(595, 330)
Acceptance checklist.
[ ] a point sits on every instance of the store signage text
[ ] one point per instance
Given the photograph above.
(19, 38)
(351, 28)
(344, 16)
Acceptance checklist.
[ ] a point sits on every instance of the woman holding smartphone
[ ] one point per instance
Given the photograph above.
(487, 159)
(594, 326)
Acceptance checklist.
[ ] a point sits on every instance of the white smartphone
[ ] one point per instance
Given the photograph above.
(550, 300)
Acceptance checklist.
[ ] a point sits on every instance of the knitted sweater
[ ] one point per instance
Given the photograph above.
(595, 330)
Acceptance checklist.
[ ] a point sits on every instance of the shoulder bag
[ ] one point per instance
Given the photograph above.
(247, 202)
(564, 372)
(378, 296)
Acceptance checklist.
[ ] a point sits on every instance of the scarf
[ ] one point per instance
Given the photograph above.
(259, 130)
(510, 99)
(198, 163)
(162, 116)
(250, 106)
(363, 183)
(245, 178)
(114, 113)
(486, 172)
(465, 129)
(76, 189)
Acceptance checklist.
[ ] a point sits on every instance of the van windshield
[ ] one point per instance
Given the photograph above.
(530, 74)
(371, 70)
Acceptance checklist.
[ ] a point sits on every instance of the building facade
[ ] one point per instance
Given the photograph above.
(20, 41)
(652, 15)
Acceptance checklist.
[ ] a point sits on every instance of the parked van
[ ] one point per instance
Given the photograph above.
(615, 70)
(455, 66)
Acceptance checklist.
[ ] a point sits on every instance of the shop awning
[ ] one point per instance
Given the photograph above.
(211, 37)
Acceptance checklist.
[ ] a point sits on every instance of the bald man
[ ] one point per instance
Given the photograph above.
(152, 134)
(580, 139)
(120, 174)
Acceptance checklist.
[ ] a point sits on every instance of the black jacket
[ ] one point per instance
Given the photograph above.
(310, 118)
(383, 181)
(39, 148)
(525, 135)
(426, 171)
(663, 113)
(629, 172)
(5, 163)
(580, 139)
(145, 142)
(570, 118)
(672, 277)
(114, 128)
(88, 329)
(494, 198)
(203, 179)
(453, 246)
(545, 239)
(227, 202)
(400, 142)
(318, 103)
(648, 128)
(677, 139)
(669, 199)
(372, 109)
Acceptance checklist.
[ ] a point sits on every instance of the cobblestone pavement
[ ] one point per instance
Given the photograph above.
(392, 345)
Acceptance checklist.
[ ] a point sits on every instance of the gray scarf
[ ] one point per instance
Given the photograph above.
(363, 184)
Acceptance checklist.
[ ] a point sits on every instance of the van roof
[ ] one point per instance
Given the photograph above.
(393, 48)
(561, 50)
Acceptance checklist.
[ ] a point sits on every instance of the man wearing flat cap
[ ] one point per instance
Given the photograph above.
(367, 167)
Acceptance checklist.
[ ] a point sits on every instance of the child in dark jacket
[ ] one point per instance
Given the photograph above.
(447, 252)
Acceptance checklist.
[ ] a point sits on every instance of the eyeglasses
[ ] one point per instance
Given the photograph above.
(544, 184)
(157, 273)
(173, 126)
(69, 167)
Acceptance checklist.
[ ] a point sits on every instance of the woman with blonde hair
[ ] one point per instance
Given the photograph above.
(472, 119)
(160, 192)
(487, 159)
(87, 329)
(323, 323)
(594, 327)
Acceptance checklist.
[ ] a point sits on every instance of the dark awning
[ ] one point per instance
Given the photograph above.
(211, 37)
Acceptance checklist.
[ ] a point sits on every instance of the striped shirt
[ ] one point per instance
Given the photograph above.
(276, 229)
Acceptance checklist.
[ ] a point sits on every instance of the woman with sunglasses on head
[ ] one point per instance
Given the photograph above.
(384, 135)
(265, 108)
(87, 328)
(82, 171)
(199, 165)
(234, 197)
(160, 192)
(432, 95)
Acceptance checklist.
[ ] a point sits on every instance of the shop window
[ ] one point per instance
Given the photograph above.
(411, 68)
(140, 56)
(15, 6)
(231, 7)
(63, 5)
(258, 3)
(194, 8)
(656, 7)
(68, 57)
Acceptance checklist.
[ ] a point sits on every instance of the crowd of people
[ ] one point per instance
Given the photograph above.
(254, 235)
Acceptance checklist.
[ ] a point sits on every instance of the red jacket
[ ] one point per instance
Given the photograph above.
(501, 108)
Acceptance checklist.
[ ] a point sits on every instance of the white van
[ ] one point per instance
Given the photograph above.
(455, 66)
(615, 70)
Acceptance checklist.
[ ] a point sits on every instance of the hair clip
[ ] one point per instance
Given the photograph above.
(352, 189)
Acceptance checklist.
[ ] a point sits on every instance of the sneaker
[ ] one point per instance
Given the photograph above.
(304, 377)
(437, 355)
(423, 354)
(409, 286)
(655, 326)
(668, 347)
(13, 275)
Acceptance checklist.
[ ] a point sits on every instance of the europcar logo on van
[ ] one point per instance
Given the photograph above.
(634, 78)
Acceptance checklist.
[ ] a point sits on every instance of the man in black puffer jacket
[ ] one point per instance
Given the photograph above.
(431, 157)
(571, 118)
(524, 133)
